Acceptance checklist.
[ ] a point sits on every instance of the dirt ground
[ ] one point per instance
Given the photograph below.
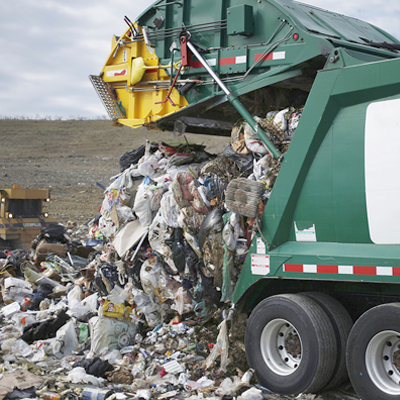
(71, 157)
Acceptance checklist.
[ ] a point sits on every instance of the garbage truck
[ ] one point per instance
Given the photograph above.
(321, 281)
(22, 214)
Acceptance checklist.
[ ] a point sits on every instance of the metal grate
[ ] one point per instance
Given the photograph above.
(109, 102)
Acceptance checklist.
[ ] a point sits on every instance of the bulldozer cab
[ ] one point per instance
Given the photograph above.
(22, 214)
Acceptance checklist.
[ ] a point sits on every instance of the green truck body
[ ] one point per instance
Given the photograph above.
(321, 279)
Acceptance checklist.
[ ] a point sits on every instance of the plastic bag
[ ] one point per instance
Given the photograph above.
(142, 203)
(110, 333)
(121, 191)
(131, 158)
(220, 348)
(251, 394)
(229, 264)
(238, 141)
(229, 387)
(145, 305)
(155, 201)
(75, 296)
(8, 344)
(292, 125)
(91, 302)
(280, 121)
(149, 275)
(183, 303)
(16, 289)
(243, 161)
(21, 348)
(253, 142)
(21, 320)
(79, 375)
(184, 188)
(66, 340)
(189, 220)
(169, 210)
(158, 232)
(261, 168)
(118, 295)
(150, 167)
(107, 227)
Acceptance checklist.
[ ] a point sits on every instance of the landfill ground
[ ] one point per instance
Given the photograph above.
(71, 156)
(74, 158)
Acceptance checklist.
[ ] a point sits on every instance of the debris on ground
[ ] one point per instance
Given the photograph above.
(138, 303)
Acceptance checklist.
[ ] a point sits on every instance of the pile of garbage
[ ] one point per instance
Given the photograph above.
(139, 303)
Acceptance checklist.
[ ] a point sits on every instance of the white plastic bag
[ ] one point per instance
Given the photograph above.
(79, 375)
(220, 348)
(91, 302)
(66, 340)
(107, 227)
(150, 167)
(280, 121)
(253, 142)
(158, 233)
(110, 333)
(169, 209)
(146, 306)
(182, 302)
(150, 273)
(75, 296)
(21, 348)
(251, 394)
(142, 203)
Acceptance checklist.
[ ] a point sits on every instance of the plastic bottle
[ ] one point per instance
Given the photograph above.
(31, 276)
(51, 396)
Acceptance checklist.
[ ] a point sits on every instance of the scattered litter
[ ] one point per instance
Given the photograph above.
(138, 303)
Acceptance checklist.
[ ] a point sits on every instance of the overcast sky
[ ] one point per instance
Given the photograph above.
(50, 47)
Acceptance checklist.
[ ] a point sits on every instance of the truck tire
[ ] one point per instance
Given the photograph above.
(291, 344)
(373, 353)
(342, 324)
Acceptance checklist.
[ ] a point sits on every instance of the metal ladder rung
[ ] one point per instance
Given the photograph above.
(109, 102)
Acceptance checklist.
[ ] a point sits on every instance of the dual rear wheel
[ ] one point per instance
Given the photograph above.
(373, 353)
(297, 344)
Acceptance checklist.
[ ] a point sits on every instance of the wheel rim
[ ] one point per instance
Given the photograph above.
(281, 347)
(382, 360)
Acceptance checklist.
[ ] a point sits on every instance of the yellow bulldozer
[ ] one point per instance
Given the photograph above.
(22, 215)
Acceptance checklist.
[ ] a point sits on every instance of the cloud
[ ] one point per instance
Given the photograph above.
(50, 48)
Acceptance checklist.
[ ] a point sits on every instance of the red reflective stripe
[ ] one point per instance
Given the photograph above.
(120, 73)
(228, 60)
(327, 269)
(148, 71)
(334, 269)
(293, 267)
(364, 270)
(266, 57)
